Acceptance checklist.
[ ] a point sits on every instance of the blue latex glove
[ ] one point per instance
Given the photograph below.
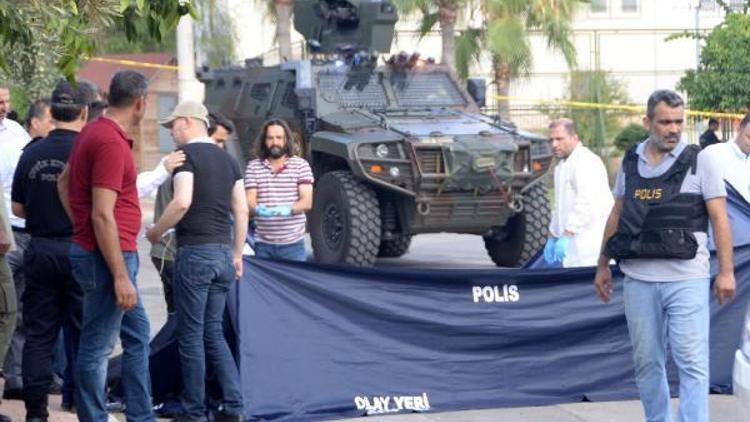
(561, 248)
(264, 211)
(549, 250)
(281, 210)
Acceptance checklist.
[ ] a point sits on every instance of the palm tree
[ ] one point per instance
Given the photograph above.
(283, 15)
(280, 13)
(443, 12)
(506, 34)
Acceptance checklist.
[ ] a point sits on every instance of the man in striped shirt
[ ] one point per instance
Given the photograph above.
(279, 187)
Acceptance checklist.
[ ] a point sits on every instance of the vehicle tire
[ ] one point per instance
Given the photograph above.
(394, 248)
(525, 233)
(345, 220)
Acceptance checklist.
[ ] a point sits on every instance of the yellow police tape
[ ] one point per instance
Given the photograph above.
(135, 63)
(577, 104)
(621, 107)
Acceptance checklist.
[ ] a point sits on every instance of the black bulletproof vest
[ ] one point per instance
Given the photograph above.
(657, 220)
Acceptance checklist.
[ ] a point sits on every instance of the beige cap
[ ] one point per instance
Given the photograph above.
(191, 109)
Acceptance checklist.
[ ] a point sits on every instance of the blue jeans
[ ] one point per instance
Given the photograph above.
(102, 320)
(203, 275)
(677, 312)
(291, 252)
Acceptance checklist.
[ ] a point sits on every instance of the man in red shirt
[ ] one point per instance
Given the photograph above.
(102, 198)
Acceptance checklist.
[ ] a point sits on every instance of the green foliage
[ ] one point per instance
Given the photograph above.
(217, 37)
(70, 28)
(630, 136)
(507, 25)
(722, 80)
(595, 125)
(468, 51)
(112, 42)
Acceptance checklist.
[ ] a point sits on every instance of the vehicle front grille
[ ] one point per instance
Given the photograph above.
(431, 160)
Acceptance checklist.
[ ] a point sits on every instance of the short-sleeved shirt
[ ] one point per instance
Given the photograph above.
(13, 138)
(102, 158)
(214, 175)
(35, 184)
(734, 163)
(706, 181)
(278, 188)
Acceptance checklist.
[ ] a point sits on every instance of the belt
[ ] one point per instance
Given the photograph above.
(18, 229)
(53, 238)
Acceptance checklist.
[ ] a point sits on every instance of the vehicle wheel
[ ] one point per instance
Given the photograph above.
(345, 220)
(524, 234)
(395, 247)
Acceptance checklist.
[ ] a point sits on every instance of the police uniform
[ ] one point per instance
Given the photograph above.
(661, 243)
(52, 299)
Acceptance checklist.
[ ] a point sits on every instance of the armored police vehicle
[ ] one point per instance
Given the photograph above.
(397, 146)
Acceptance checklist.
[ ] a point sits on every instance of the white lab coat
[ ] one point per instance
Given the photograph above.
(583, 201)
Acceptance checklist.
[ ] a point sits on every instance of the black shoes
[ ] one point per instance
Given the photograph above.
(13, 394)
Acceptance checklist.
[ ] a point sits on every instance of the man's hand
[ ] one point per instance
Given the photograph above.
(263, 211)
(4, 241)
(561, 248)
(603, 283)
(237, 261)
(153, 235)
(724, 287)
(549, 250)
(173, 160)
(125, 293)
(281, 210)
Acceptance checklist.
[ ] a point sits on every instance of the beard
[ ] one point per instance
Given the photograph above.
(276, 152)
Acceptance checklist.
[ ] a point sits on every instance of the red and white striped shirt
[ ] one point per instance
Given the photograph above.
(278, 188)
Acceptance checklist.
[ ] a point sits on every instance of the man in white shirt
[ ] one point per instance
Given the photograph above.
(733, 158)
(13, 138)
(582, 200)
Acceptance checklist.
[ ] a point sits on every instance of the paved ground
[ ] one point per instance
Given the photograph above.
(430, 251)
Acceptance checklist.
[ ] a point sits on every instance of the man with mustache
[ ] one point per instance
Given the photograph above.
(279, 191)
(582, 199)
(666, 193)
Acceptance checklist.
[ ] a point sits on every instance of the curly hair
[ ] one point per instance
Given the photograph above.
(261, 150)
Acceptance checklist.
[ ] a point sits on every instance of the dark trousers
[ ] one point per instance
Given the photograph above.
(165, 268)
(52, 300)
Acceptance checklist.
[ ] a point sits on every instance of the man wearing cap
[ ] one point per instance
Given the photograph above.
(103, 200)
(52, 297)
(207, 188)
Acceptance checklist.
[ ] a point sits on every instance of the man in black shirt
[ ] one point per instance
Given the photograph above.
(709, 136)
(52, 298)
(208, 193)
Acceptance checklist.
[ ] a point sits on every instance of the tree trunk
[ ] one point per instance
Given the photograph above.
(447, 12)
(503, 74)
(284, 28)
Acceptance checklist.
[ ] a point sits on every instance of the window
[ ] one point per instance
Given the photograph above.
(707, 4)
(736, 4)
(599, 6)
(629, 6)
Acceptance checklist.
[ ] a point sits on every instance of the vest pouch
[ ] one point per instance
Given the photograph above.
(654, 244)
(668, 243)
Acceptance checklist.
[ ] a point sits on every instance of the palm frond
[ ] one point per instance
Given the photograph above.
(468, 50)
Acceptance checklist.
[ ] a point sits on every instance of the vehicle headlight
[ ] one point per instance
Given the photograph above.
(381, 151)
(394, 172)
